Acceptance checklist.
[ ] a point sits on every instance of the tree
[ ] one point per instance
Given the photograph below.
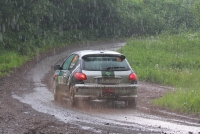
(196, 11)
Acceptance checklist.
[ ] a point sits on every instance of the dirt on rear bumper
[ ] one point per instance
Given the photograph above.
(105, 92)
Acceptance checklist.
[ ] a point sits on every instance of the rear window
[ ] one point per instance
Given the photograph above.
(105, 62)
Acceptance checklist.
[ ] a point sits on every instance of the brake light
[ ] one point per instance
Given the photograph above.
(55, 76)
(132, 76)
(80, 76)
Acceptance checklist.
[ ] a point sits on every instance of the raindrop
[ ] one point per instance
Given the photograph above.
(24, 3)
(21, 8)
(13, 22)
(75, 26)
(63, 14)
(17, 27)
(8, 21)
(20, 37)
(38, 24)
(95, 3)
(80, 35)
(3, 28)
(18, 47)
(67, 9)
(61, 30)
(1, 37)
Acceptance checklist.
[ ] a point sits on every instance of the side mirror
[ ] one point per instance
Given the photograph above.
(57, 67)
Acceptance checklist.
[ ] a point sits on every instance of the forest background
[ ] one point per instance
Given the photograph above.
(29, 27)
(26, 25)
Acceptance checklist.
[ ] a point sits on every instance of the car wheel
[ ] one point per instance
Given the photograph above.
(57, 93)
(131, 103)
(72, 98)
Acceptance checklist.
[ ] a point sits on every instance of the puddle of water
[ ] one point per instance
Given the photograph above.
(42, 100)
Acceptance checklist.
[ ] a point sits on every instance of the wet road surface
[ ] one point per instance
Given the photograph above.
(98, 116)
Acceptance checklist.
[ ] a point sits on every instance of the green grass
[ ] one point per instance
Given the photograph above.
(13, 59)
(172, 60)
(10, 60)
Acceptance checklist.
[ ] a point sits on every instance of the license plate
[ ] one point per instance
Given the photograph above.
(108, 92)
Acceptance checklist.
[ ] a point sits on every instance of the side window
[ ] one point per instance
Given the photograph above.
(74, 60)
(70, 62)
(67, 62)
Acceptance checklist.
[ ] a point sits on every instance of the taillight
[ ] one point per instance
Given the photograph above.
(132, 76)
(80, 76)
(55, 76)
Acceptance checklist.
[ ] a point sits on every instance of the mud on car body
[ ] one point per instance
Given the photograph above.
(94, 74)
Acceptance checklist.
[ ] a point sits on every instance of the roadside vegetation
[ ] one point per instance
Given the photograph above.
(10, 60)
(161, 49)
(171, 60)
(33, 26)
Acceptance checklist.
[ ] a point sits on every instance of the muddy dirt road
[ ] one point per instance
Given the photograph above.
(27, 105)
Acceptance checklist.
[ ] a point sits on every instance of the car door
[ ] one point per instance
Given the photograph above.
(67, 67)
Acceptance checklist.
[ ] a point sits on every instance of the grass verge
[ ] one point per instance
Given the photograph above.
(10, 60)
(169, 60)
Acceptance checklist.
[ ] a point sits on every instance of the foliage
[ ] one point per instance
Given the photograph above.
(10, 60)
(169, 60)
(196, 10)
(30, 26)
(25, 24)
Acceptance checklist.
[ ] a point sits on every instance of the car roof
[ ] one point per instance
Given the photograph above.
(90, 52)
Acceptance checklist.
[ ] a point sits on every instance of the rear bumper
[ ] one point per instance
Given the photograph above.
(105, 92)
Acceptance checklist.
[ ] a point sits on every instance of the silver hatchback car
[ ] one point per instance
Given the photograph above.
(94, 74)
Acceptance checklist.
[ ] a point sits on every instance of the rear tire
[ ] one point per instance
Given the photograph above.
(131, 103)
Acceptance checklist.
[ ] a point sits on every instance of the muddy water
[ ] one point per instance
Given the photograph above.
(97, 116)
